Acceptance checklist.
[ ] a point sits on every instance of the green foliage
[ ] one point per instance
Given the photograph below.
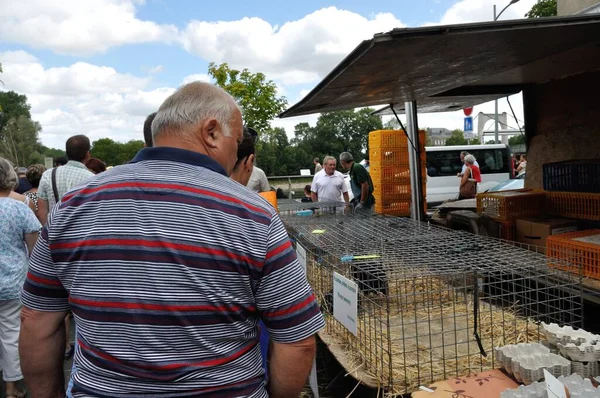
(256, 96)
(457, 138)
(115, 153)
(490, 142)
(543, 8)
(475, 141)
(13, 105)
(516, 140)
(20, 142)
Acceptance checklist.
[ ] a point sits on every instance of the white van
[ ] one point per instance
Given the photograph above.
(443, 164)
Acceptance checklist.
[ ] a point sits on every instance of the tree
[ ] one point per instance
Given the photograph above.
(475, 141)
(115, 153)
(334, 133)
(457, 138)
(516, 140)
(13, 105)
(256, 96)
(543, 8)
(20, 143)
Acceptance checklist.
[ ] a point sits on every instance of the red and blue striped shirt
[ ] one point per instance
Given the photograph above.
(168, 265)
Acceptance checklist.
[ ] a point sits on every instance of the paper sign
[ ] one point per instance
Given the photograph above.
(554, 387)
(301, 254)
(304, 172)
(345, 302)
(312, 380)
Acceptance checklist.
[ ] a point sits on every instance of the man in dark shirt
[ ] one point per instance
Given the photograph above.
(360, 182)
(24, 184)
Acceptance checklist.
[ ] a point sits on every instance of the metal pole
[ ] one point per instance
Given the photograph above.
(495, 103)
(417, 194)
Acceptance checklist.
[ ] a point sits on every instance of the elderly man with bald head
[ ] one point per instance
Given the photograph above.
(168, 266)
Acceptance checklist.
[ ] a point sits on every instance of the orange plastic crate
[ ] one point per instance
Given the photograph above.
(510, 205)
(393, 208)
(381, 157)
(574, 205)
(570, 253)
(507, 230)
(386, 174)
(392, 139)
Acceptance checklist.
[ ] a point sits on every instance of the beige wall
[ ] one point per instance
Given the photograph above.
(570, 7)
(567, 122)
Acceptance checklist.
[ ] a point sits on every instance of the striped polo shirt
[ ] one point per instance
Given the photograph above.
(168, 265)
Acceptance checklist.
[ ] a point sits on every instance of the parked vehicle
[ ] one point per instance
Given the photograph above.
(516, 183)
(443, 165)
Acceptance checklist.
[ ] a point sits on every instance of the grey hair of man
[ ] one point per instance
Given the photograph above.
(8, 176)
(470, 159)
(346, 157)
(326, 159)
(464, 153)
(190, 105)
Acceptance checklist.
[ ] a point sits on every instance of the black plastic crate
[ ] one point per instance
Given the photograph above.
(572, 176)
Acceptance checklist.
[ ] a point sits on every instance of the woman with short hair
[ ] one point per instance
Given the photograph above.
(469, 180)
(34, 175)
(18, 233)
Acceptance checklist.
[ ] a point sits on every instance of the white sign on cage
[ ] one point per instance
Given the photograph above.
(301, 254)
(345, 301)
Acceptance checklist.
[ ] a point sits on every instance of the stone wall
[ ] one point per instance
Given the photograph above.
(570, 7)
(565, 123)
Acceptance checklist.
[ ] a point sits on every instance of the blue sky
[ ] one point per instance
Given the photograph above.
(97, 67)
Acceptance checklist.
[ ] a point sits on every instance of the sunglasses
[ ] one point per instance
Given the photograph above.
(247, 147)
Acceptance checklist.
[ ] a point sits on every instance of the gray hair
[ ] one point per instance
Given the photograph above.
(327, 159)
(193, 103)
(464, 153)
(470, 159)
(346, 157)
(8, 176)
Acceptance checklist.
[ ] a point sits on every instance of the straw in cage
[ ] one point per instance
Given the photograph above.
(430, 341)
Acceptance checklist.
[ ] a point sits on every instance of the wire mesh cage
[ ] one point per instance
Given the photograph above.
(431, 303)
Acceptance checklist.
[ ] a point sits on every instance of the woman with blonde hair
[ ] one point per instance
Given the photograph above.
(18, 233)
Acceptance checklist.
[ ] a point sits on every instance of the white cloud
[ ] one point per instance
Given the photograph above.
(156, 69)
(78, 27)
(482, 10)
(81, 98)
(202, 77)
(300, 51)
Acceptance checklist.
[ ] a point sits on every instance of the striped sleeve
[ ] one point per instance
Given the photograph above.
(284, 298)
(42, 290)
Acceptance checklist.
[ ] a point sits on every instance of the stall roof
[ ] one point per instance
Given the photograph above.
(452, 66)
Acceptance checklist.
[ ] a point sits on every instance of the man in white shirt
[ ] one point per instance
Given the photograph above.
(258, 181)
(328, 185)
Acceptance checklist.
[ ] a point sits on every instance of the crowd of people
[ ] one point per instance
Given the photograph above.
(180, 279)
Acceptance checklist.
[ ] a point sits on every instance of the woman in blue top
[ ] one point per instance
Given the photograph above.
(18, 232)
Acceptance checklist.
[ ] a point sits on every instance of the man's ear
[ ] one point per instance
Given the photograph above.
(209, 132)
(249, 161)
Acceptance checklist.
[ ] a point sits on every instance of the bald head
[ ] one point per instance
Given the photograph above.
(203, 118)
(191, 104)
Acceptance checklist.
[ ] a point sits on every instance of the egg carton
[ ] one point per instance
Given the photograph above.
(585, 369)
(584, 352)
(566, 334)
(529, 368)
(577, 386)
(534, 390)
(505, 354)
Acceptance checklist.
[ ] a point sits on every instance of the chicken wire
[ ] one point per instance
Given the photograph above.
(432, 303)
